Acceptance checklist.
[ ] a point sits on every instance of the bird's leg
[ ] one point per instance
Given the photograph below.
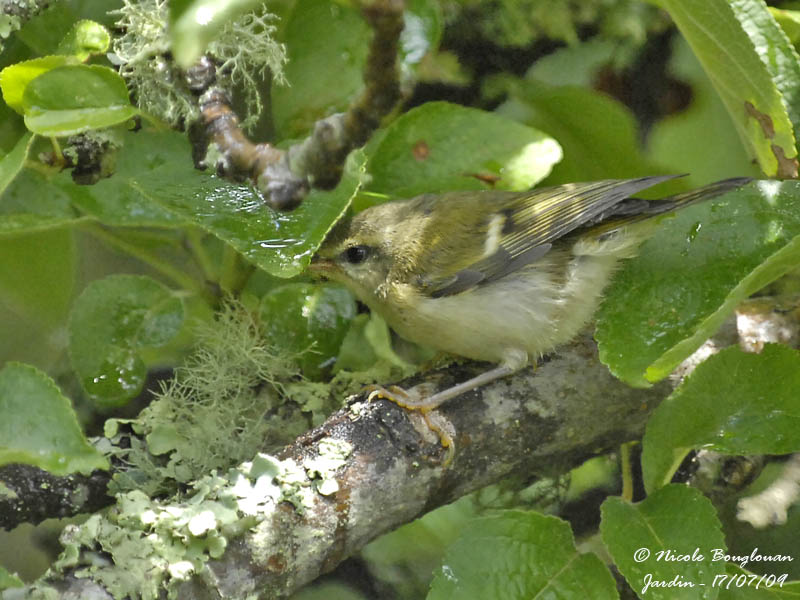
(412, 399)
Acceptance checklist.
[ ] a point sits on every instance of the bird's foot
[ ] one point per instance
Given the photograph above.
(416, 399)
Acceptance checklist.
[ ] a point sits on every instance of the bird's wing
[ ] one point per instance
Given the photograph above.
(523, 228)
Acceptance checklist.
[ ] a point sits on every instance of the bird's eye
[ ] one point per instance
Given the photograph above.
(356, 255)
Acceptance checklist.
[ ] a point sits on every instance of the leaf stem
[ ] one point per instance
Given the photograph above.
(230, 274)
(160, 265)
(194, 239)
(625, 457)
(57, 152)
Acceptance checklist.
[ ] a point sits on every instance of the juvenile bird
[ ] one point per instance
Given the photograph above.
(495, 276)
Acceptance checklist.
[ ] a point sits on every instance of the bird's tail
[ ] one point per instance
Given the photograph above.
(635, 210)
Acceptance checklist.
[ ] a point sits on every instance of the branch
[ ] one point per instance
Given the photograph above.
(31, 495)
(533, 424)
(285, 177)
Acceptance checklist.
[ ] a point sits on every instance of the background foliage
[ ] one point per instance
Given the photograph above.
(109, 287)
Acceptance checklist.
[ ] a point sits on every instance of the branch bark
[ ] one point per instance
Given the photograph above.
(536, 423)
(284, 178)
(32, 495)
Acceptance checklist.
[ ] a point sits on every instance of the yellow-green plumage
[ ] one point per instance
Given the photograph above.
(496, 276)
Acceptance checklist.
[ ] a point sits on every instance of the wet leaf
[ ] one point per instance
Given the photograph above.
(310, 321)
(111, 322)
(38, 426)
(692, 274)
(733, 403)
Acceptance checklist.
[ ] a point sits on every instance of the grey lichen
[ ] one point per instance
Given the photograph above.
(8, 25)
(332, 455)
(154, 545)
(244, 52)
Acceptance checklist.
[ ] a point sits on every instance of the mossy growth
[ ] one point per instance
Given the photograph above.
(225, 404)
(237, 395)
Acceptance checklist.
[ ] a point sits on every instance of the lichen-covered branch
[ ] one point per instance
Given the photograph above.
(270, 526)
(273, 524)
(285, 177)
(31, 495)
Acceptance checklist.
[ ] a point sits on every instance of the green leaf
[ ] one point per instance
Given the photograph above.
(356, 353)
(75, 98)
(156, 185)
(280, 243)
(11, 163)
(9, 580)
(669, 537)
(368, 342)
(43, 33)
(330, 590)
(116, 200)
(37, 276)
(113, 201)
(438, 147)
(520, 555)
(85, 39)
(326, 44)
(789, 20)
(692, 274)
(38, 426)
(15, 78)
(778, 56)
(733, 403)
(754, 69)
(308, 319)
(574, 65)
(12, 127)
(33, 203)
(195, 24)
(111, 322)
(406, 557)
(601, 147)
(674, 143)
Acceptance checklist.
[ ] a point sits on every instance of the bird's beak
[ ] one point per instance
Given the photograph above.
(322, 266)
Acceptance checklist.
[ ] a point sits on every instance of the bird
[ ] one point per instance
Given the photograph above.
(495, 276)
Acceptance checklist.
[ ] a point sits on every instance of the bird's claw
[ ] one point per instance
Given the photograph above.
(394, 393)
(414, 400)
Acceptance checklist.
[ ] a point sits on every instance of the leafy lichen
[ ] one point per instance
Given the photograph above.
(157, 544)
